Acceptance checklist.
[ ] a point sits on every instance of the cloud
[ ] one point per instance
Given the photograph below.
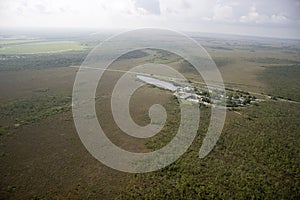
(254, 17)
(222, 12)
(279, 19)
(151, 6)
(226, 16)
(185, 4)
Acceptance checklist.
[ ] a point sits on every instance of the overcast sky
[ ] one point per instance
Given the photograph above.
(274, 18)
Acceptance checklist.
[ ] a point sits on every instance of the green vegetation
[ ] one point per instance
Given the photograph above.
(186, 67)
(282, 81)
(133, 55)
(42, 47)
(31, 110)
(222, 61)
(257, 157)
(41, 61)
(269, 60)
(4, 130)
(164, 57)
(240, 98)
(15, 41)
(170, 128)
(28, 54)
(220, 48)
(41, 90)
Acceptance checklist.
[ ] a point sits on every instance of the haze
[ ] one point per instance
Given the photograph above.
(258, 18)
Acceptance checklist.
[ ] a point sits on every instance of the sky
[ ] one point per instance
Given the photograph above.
(271, 18)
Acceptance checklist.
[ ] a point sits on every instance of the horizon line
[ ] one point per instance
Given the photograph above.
(112, 30)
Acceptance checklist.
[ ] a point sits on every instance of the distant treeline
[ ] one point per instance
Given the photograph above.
(133, 54)
(269, 60)
(40, 61)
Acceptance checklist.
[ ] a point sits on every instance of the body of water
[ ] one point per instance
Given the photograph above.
(158, 83)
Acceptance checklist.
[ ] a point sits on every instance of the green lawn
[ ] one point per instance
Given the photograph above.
(42, 47)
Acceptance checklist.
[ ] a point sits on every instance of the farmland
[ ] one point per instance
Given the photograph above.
(16, 41)
(29, 47)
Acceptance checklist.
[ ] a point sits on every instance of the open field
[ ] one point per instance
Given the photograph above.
(42, 157)
(41, 47)
(15, 41)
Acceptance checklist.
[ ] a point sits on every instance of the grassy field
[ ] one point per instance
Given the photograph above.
(16, 41)
(42, 47)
